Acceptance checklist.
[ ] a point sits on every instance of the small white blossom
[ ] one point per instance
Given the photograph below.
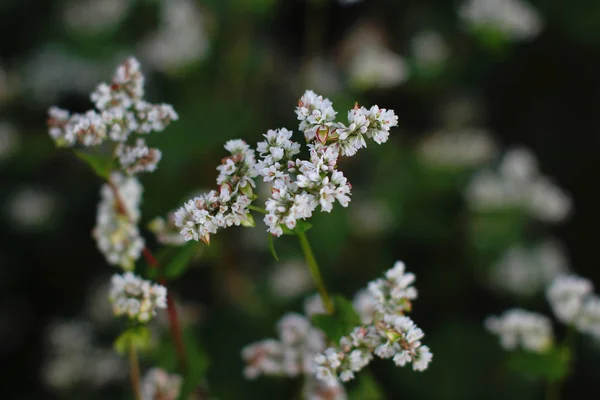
(518, 184)
(138, 158)
(166, 231)
(137, 298)
(520, 328)
(516, 19)
(566, 296)
(116, 233)
(159, 384)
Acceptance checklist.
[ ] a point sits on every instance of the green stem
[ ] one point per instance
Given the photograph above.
(257, 209)
(554, 388)
(134, 368)
(315, 272)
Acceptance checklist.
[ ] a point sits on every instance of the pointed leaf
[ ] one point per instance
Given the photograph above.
(341, 323)
(272, 247)
(102, 164)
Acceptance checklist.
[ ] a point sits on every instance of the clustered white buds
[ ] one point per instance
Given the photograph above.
(298, 186)
(135, 297)
(387, 332)
(516, 19)
(159, 384)
(204, 215)
(120, 112)
(520, 328)
(116, 231)
(518, 184)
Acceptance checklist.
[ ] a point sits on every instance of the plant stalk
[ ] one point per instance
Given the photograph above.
(134, 368)
(315, 272)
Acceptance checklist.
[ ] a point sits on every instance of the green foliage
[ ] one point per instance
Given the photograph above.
(139, 336)
(101, 163)
(301, 227)
(175, 261)
(272, 247)
(367, 388)
(341, 322)
(198, 363)
(552, 365)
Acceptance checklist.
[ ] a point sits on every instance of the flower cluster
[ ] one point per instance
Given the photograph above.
(514, 18)
(520, 328)
(204, 215)
(298, 186)
(386, 333)
(135, 297)
(120, 112)
(158, 384)
(458, 148)
(524, 271)
(116, 231)
(574, 303)
(518, 184)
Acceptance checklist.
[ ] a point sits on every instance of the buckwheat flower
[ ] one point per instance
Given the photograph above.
(588, 319)
(458, 148)
(566, 296)
(60, 129)
(180, 38)
(314, 305)
(516, 19)
(291, 355)
(116, 233)
(386, 331)
(275, 153)
(138, 158)
(376, 66)
(548, 201)
(316, 114)
(315, 389)
(94, 16)
(525, 271)
(166, 231)
(290, 279)
(159, 384)
(429, 49)
(520, 328)
(137, 298)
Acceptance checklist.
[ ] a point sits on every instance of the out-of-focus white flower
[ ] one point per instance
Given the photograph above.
(371, 64)
(138, 158)
(518, 184)
(137, 298)
(159, 384)
(94, 16)
(316, 389)
(386, 333)
(290, 279)
(348, 2)
(31, 208)
(180, 38)
(166, 231)
(526, 271)
(429, 49)
(458, 148)
(75, 359)
(321, 74)
(116, 233)
(9, 139)
(516, 19)
(520, 328)
(370, 217)
(566, 296)
(291, 355)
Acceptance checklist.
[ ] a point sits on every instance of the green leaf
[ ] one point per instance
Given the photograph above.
(102, 164)
(139, 336)
(552, 365)
(179, 259)
(301, 226)
(341, 323)
(272, 247)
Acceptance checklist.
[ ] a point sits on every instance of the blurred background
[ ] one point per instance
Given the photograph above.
(487, 189)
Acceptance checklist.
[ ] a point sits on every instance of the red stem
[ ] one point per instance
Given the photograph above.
(174, 326)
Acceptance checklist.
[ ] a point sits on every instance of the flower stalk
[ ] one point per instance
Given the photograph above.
(315, 272)
(134, 368)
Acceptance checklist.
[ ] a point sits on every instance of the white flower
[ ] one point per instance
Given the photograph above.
(31, 208)
(158, 384)
(94, 16)
(165, 230)
(429, 48)
(137, 298)
(566, 296)
(138, 158)
(460, 148)
(290, 279)
(516, 19)
(520, 328)
(117, 234)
